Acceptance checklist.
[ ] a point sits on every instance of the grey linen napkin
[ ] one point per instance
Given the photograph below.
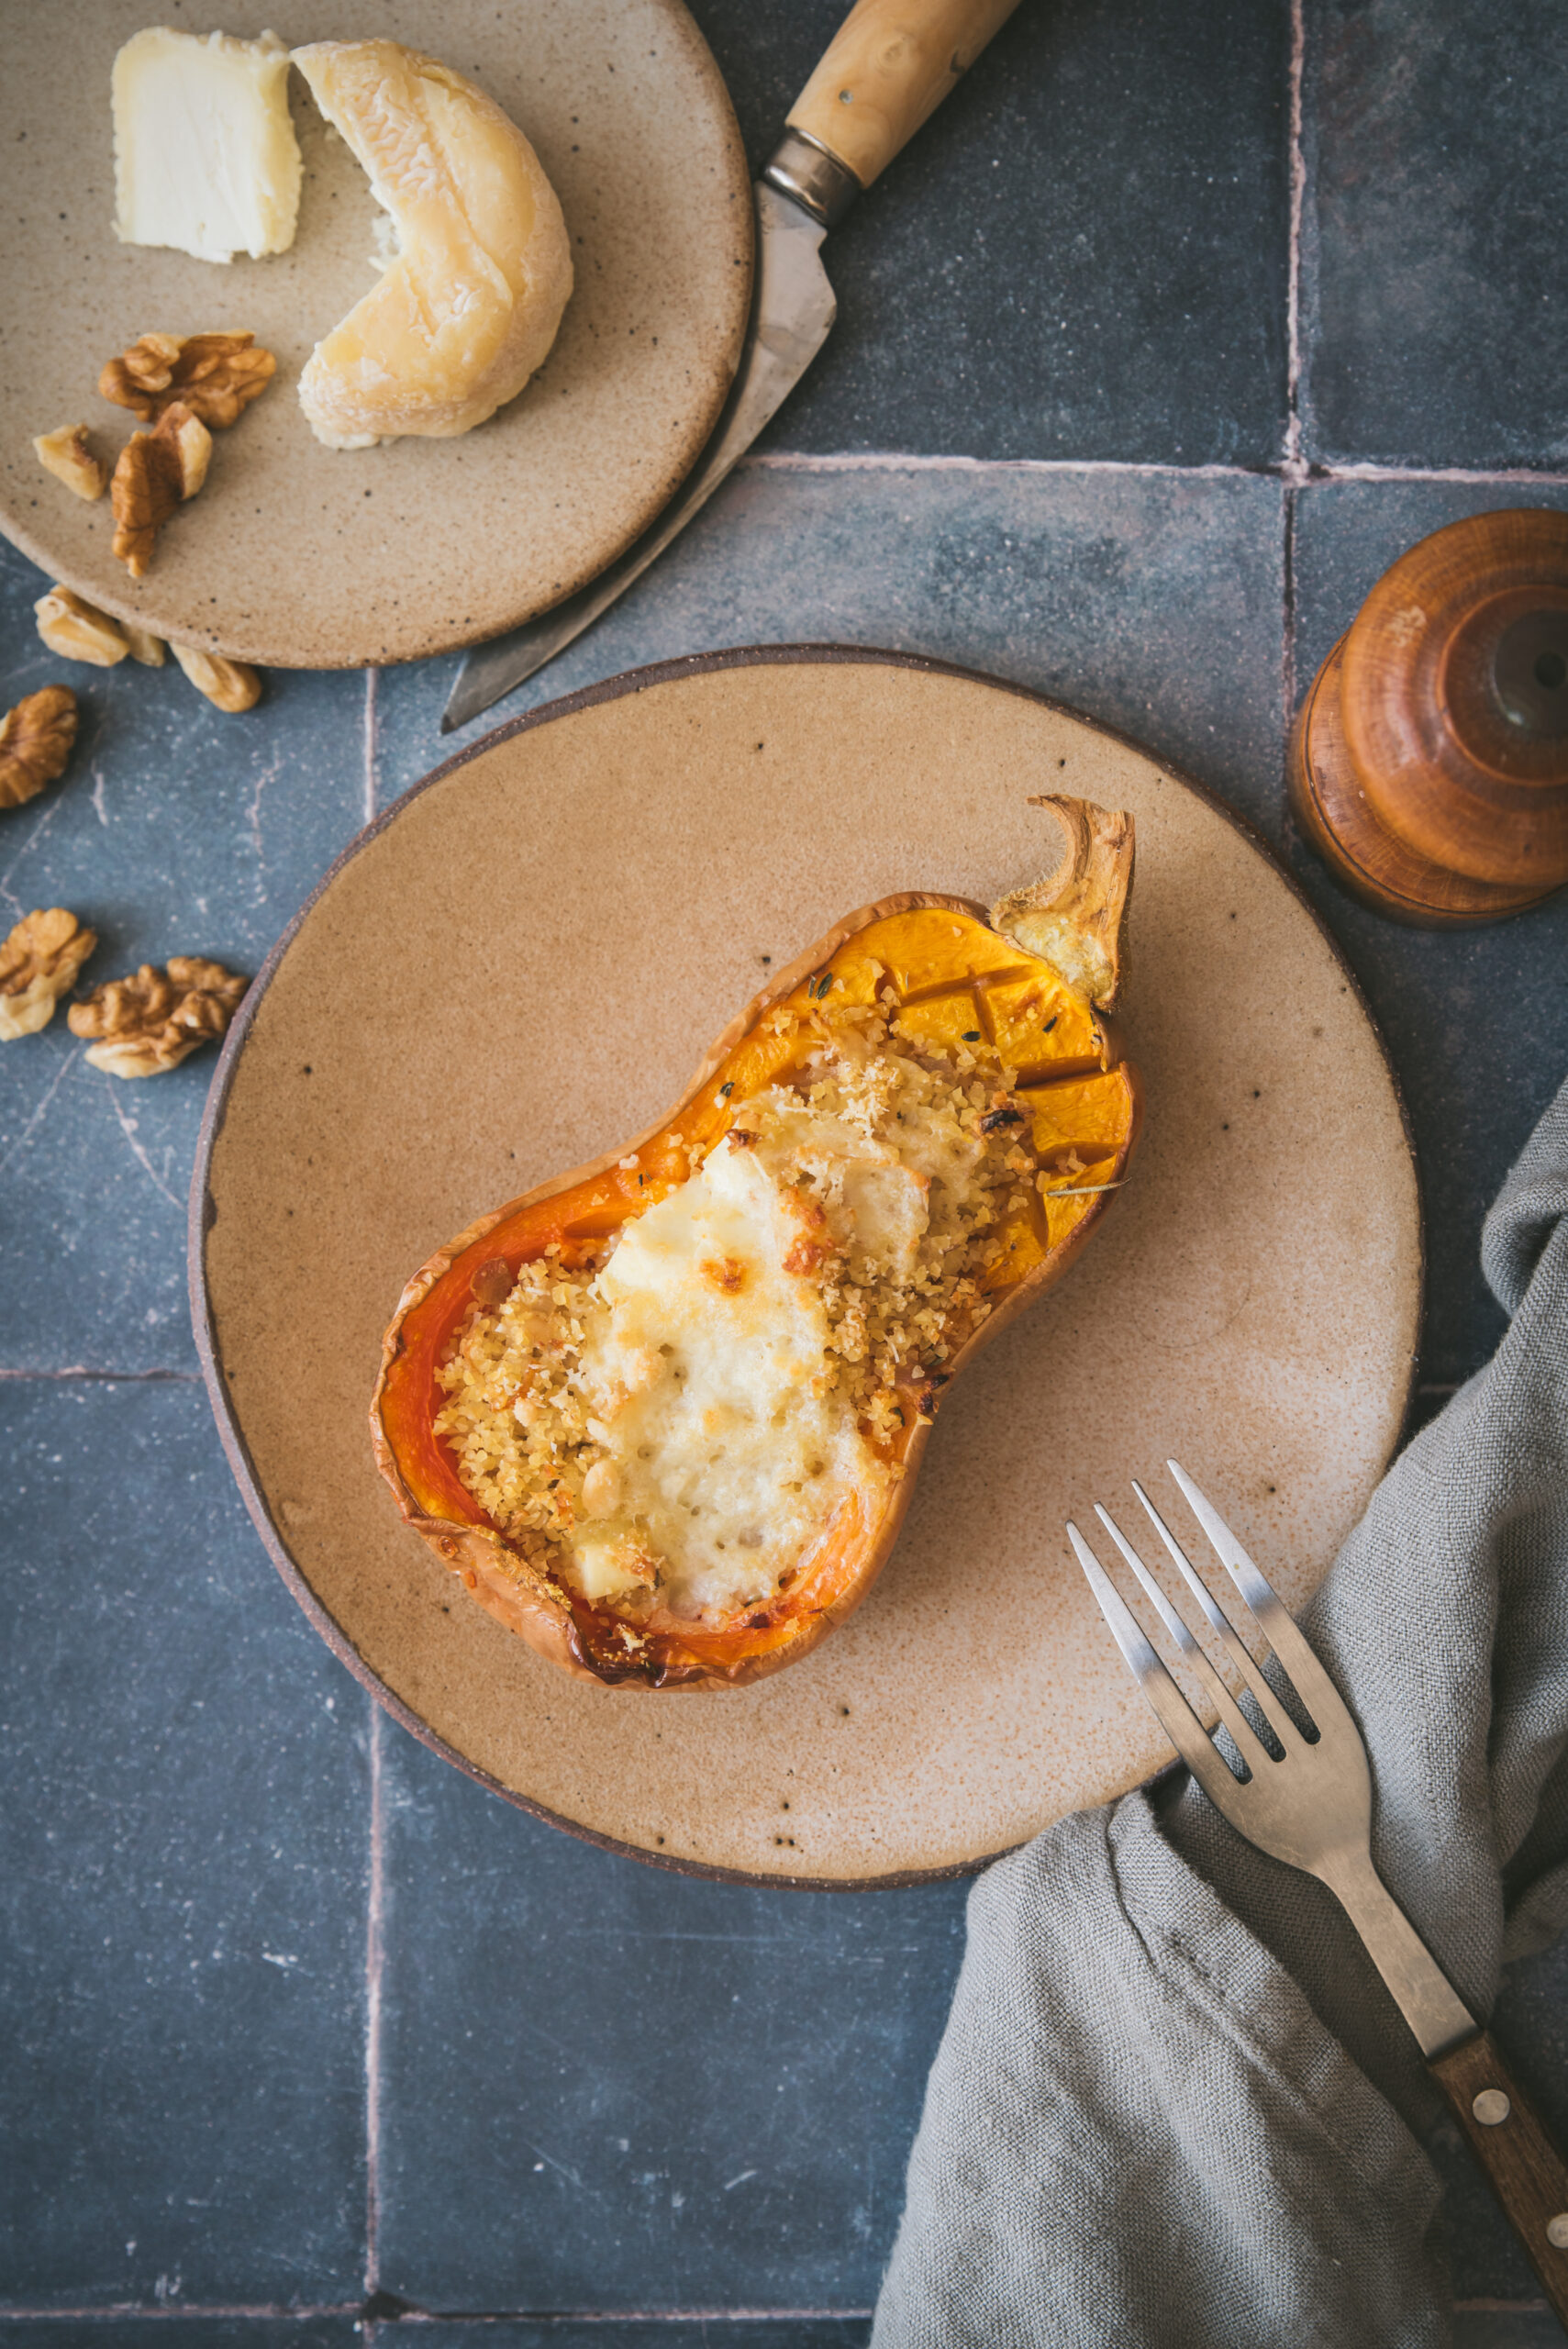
(1174, 2104)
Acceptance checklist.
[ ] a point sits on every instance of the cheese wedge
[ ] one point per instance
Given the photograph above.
(205, 159)
(470, 306)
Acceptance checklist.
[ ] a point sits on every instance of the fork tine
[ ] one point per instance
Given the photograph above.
(1180, 1724)
(1316, 1691)
(1249, 1744)
(1279, 1720)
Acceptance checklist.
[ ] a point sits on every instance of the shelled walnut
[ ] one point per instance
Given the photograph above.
(215, 375)
(232, 686)
(153, 1020)
(156, 471)
(66, 455)
(149, 649)
(39, 961)
(78, 630)
(35, 743)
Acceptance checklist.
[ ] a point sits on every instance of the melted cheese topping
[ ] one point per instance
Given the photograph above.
(675, 1436)
(707, 1383)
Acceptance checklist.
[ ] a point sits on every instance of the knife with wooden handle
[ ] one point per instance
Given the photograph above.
(889, 65)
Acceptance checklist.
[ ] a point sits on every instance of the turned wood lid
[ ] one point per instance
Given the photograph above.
(1454, 699)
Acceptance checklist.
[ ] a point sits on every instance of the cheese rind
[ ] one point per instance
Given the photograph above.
(205, 159)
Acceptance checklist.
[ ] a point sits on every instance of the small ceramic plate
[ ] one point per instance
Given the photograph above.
(305, 557)
(521, 964)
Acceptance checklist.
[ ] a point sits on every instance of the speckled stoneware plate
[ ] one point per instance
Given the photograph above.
(519, 965)
(301, 556)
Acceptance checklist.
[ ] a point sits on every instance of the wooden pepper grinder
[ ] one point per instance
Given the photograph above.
(1429, 766)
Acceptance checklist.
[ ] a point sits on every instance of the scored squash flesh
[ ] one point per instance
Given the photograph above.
(662, 1415)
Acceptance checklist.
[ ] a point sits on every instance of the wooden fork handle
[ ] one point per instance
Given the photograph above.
(1524, 2169)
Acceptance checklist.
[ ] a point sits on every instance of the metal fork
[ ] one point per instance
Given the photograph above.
(1304, 1793)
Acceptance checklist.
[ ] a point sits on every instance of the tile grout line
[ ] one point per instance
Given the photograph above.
(373, 743)
(1287, 610)
(1293, 468)
(375, 1961)
(112, 2313)
(609, 2318)
(1315, 476)
(116, 2311)
(111, 1377)
(907, 460)
(1371, 471)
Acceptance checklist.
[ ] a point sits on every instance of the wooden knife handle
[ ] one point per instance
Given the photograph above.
(888, 66)
(1524, 2169)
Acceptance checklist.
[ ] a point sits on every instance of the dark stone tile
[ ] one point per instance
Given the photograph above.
(1435, 274)
(1483, 2254)
(1529, 2326)
(1081, 254)
(604, 2087)
(193, 2332)
(1151, 600)
(184, 1883)
(1530, 2025)
(1476, 1021)
(174, 830)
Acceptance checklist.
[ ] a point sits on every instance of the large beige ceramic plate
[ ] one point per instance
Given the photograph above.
(521, 964)
(303, 556)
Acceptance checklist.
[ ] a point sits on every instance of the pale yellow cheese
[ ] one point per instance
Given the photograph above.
(205, 159)
(469, 308)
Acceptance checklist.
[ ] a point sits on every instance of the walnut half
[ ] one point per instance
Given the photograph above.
(156, 471)
(78, 630)
(35, 742)
(149, 649)
(38, 963)
(215, 375)
(66, 455)
(153, 1020)
(231, 686)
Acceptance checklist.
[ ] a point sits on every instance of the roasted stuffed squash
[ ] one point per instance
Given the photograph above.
(662, 1415)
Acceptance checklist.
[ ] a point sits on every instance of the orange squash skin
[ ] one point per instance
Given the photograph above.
(1099, 1087)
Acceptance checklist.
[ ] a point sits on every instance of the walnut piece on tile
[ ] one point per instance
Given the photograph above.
(215, 375)
(38, 963)
(232, 686)
(78, 630)
(156, 471)
(66, 455)
(144, 646)
(35, 742)
(153, 1020)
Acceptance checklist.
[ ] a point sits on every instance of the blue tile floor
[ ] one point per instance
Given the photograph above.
(1144, 347)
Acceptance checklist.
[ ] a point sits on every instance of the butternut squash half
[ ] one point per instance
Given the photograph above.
(662, 1415)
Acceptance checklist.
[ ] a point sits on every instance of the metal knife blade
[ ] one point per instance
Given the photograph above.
(792, 312)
